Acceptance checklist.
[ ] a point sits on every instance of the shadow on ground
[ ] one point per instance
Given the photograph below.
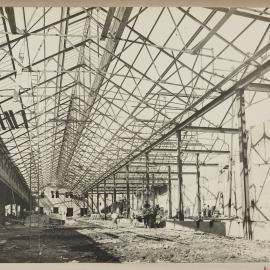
(62, 245)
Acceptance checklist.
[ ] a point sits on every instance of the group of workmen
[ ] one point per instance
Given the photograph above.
(208, 211)
(152, 216)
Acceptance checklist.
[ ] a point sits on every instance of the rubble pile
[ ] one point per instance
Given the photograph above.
(132, 244)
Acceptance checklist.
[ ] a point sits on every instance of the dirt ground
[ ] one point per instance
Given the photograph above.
(98, 242)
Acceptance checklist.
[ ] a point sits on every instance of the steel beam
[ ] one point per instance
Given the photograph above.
(97, 199)
(128, 190)
(11, 19)
(200, 151)
(165, 163)
(180, 177)
(154, 172)
(170, 191)
(258, 87)
(202, 43)
(105, 200)
(107, 23)
(213, 129)
(137, 199)
(122, 14)
(92, 200)
(198, 188)
(259, 71)
(153, 190)
(147, 177)
(244, 175)
(114, 189)
(27, 34)
(244, 14)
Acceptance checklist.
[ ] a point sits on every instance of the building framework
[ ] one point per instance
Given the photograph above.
(122, 100)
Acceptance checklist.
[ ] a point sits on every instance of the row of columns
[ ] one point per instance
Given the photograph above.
(244, 177)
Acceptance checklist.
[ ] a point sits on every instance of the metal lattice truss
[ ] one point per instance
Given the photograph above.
(101, 87)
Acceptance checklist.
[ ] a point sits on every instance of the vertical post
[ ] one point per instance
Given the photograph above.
(132, 200)
(137, 196)
(147, 176)
(170, 191)
(180, 176)
(235, 200)
(114, 189)
(231, 168)
(230, 188)
(105, 200)
(198, 186)
(244, 165)
(92, 200)
(143, 191)
(128, 191)
(88, 204)
(153, 190)
(30, 198)
(97, 200)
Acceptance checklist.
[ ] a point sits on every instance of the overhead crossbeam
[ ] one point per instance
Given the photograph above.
(244, 14)
(108, 22)
(202, 43)
(212, 129)
(111, 45)
(196, 151)
(242, 83)
(135, 163)
(11, 19)
(258, 87)
(154, 172)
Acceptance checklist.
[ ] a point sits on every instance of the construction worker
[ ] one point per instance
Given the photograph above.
(146, 214)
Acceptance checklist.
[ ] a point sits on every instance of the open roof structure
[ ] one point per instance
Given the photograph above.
(103, 88)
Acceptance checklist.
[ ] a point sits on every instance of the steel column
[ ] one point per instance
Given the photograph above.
(105, 200)
(128, 191)
(97, 200)
(147, 176)
(180, 177)
(88, 207)
(153, 190)
(198, 187)
(132, 200)
(114, 189)
(231, 167)
(244, 176)
(170, 191)
(137, 197)
(92, 200)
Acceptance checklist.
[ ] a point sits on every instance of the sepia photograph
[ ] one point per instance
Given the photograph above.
(134, 134)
